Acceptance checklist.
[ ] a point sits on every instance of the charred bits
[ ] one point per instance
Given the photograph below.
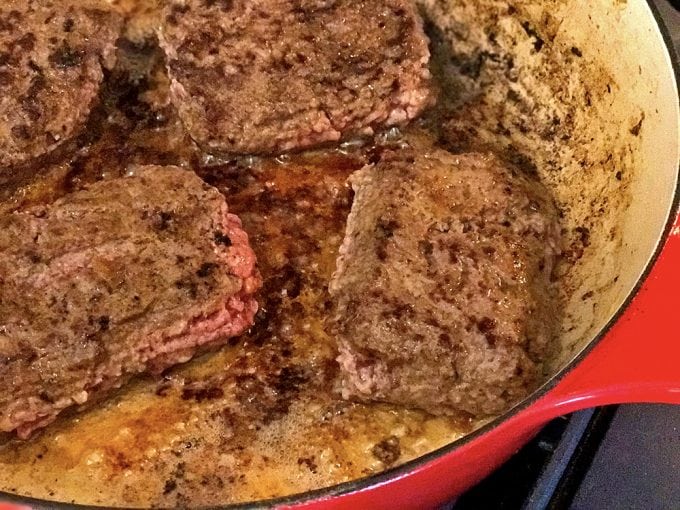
(222, 239)
(309, 462)
(65, 57)
(289, 380)
(202, 394)
(531, 32)
(206, 269)
(635, 130)
(170, 485)
(387, 451)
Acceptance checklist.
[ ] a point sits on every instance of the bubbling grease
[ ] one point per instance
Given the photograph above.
(260, 418)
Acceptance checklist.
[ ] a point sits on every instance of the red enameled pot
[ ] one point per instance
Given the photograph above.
(619, 173)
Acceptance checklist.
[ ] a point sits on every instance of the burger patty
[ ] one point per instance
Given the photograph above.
(265, 76)
(129, 275)
(51, 58)
(442, 291)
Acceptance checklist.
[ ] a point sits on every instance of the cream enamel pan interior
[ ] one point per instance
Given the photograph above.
(592, 100)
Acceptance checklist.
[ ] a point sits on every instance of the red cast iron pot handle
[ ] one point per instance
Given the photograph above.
(639, 360)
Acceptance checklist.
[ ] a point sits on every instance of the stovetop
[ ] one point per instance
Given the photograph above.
(616, 457)
(670, 12)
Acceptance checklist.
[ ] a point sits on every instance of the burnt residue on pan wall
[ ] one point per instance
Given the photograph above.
(523, 79)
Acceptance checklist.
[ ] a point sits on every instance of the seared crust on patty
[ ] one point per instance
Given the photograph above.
(129, 275)
(266, 76)
(443, 289)
(51, 58)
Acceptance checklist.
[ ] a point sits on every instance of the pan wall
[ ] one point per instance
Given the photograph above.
(583, 94)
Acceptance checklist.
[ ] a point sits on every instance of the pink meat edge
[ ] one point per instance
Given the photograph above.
(359, 376)
(232, 320)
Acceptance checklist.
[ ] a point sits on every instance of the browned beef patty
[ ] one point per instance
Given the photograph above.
(51, 58)
(264, 76)
(129, 275)
(443, 283)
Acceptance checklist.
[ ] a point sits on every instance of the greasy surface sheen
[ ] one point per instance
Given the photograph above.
(256, 421)
(266, 76)
(443, 286)
(51, 58)
(253, 421)
(113, 280)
